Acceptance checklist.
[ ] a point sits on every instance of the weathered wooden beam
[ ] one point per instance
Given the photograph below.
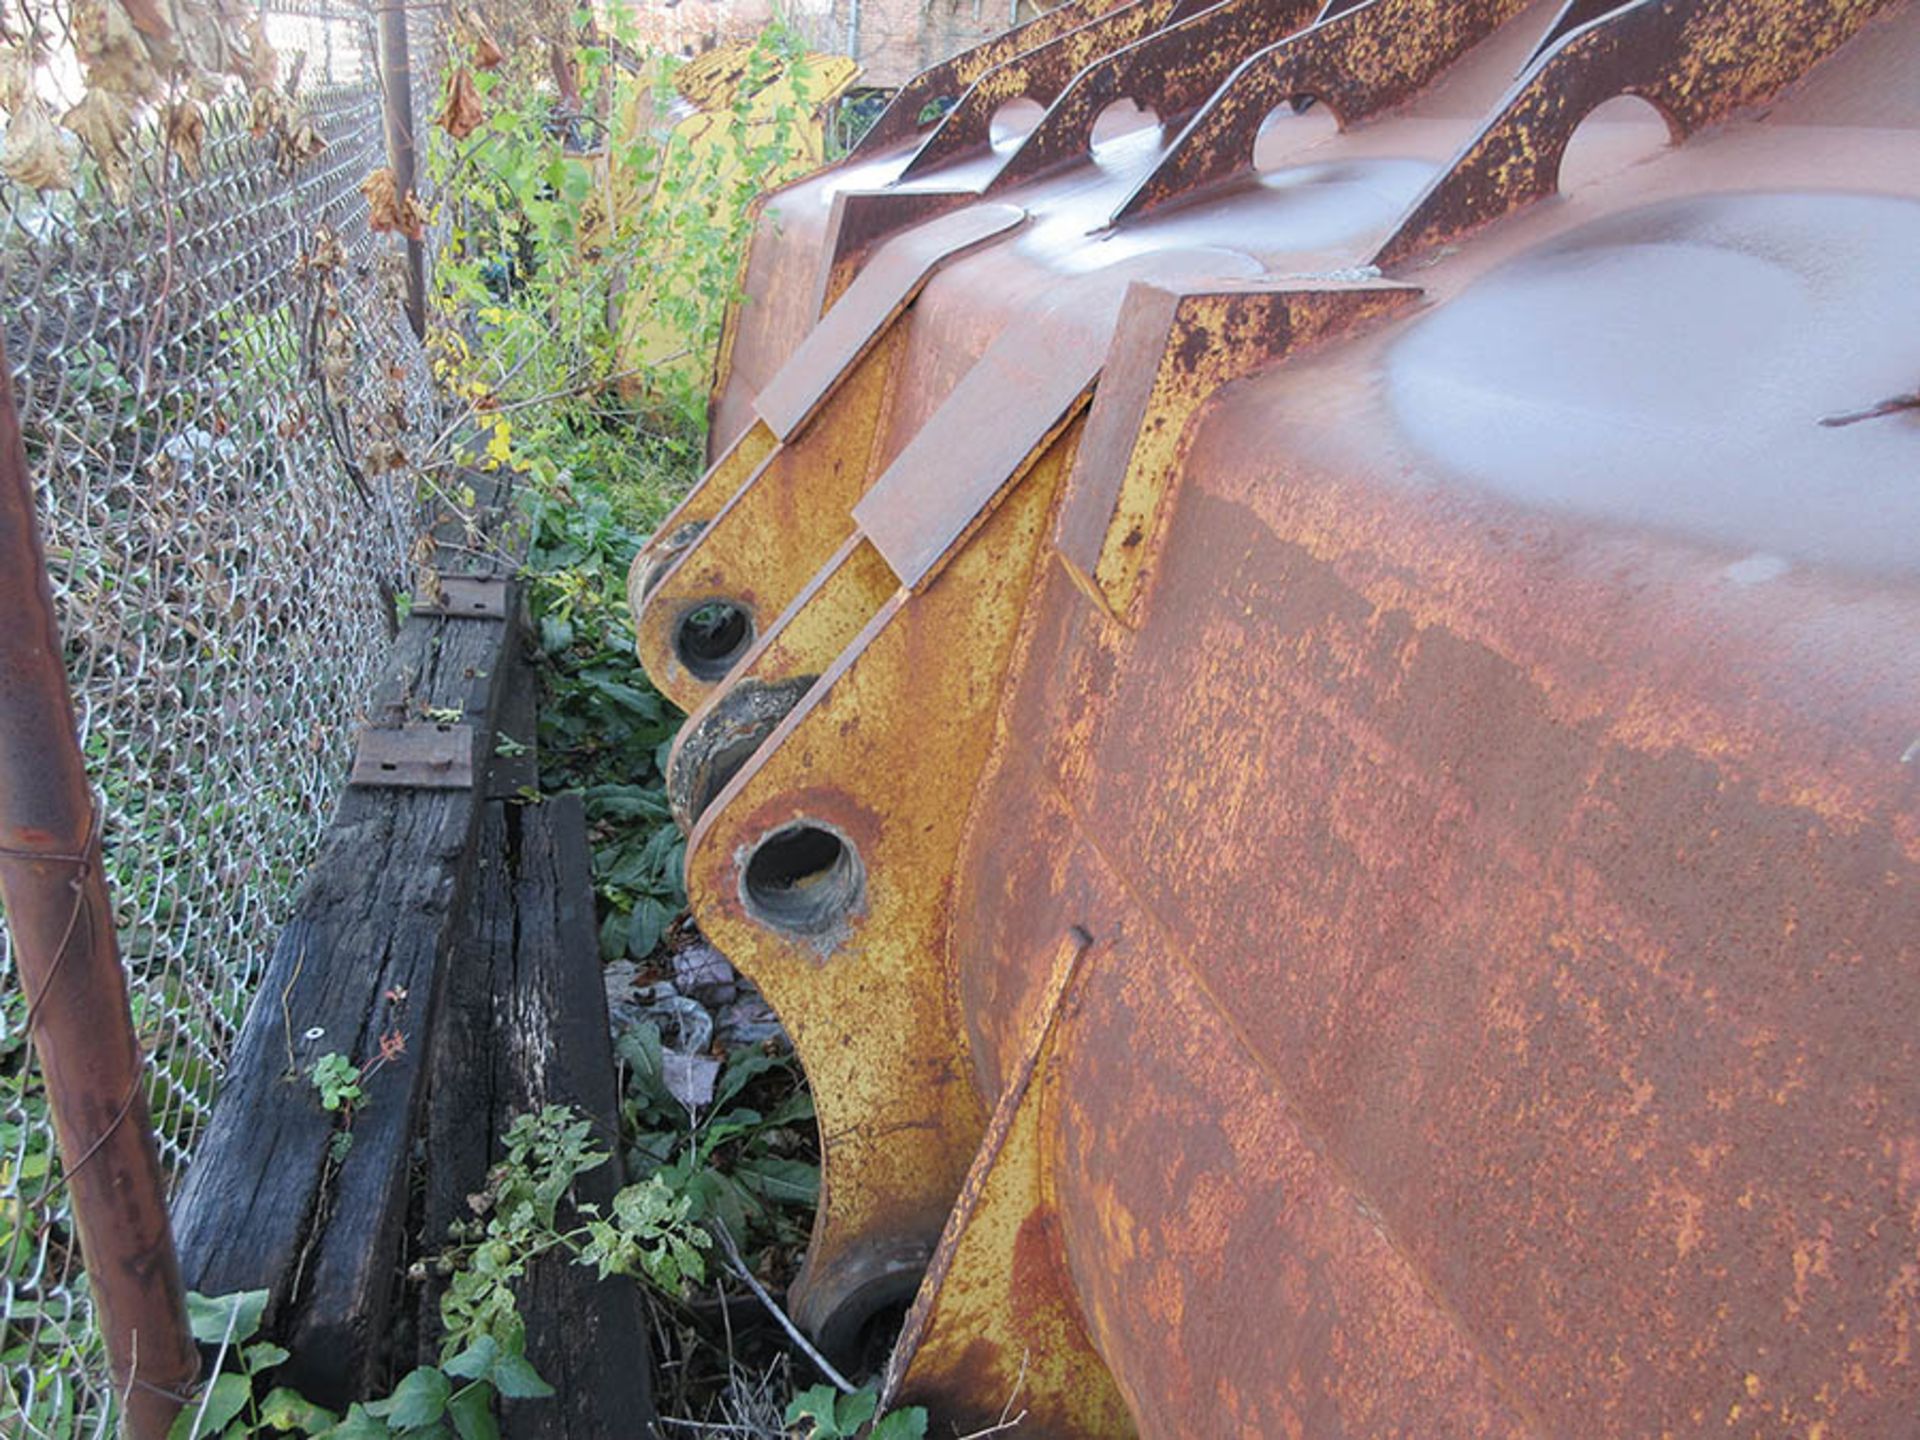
(269, 1201)
(524, 1026)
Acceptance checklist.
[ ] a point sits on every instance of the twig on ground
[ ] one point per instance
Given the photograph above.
(711, 1425)
(739, 1267)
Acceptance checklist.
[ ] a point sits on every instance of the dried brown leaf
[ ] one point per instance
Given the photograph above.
(146, 16)
(32, 154)
(383, 199)
(120, 57)
(463, 113)
(384, 456)
(470, 29)
(327, 253)
(268, 113)
(205, 42)
(389, 210)
(186, 132)
(104, 123)
(299, 145)
(16, 78)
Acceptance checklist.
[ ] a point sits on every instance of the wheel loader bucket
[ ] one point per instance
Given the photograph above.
(1319, 744)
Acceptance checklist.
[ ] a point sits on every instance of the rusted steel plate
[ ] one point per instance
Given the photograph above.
(1358, 63)
(873, 302)
(949, 80)
(1560, 886)
(1301, 1316)
(1173, 350)
(1032, 382)
(468, 597)
(1041, 74)
(862, 219)
(1563, 996)
(1014, 1329)
(1034, 377)
(1695, 61)
(1171, 72)
(421, 755)
(1486, 784)
(1573, 14)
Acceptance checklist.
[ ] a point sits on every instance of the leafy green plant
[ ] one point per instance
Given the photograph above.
(822, 1413)
(527, 1209)
(604, 730)
(646, 1233)
(745, 1161)
(453, 1399)
(338, 1080)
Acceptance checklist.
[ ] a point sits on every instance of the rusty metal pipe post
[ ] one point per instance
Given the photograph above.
(69, 967)
(396, 108)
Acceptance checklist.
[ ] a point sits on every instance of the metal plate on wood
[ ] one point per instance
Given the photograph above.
(423, 756)
(468, 597)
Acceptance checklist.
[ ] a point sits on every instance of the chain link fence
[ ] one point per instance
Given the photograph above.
(224, 408)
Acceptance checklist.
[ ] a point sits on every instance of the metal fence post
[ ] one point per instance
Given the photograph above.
(396, 89)
(69, 967)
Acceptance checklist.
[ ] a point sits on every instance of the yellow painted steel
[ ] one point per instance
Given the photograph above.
(1203, 339)
(783, 521)
(823, 620)
(995, 1316)
(826, 617)
(720, 483)
(865, 998)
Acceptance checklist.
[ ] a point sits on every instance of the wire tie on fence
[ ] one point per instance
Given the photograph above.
(83, 864)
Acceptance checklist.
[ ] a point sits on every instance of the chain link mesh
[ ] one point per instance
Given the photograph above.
(220, 410)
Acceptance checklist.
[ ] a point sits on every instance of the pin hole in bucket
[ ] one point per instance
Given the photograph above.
(805, 878)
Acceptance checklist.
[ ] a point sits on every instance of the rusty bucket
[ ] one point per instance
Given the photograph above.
(1311, 715)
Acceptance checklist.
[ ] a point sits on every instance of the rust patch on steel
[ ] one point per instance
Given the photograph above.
(1041, 73)
(417, 756)
(1036, 374)
(1695, 61)
(951, 78)
(996, 1326)
(1172, 72)
(850, 329)
(1359, 63)
(862, 220)
(1174, 350)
